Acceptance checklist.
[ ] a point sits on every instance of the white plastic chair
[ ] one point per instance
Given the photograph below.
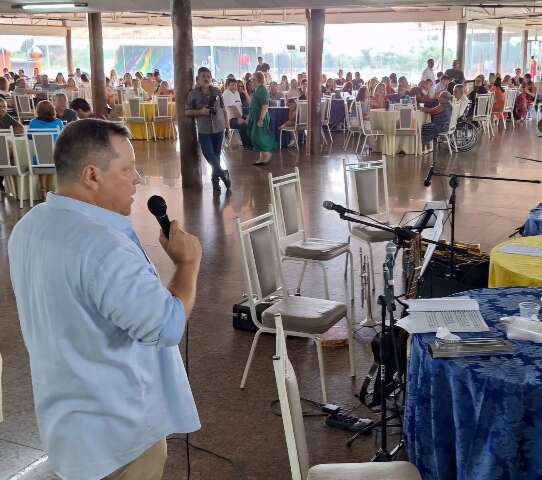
(163, 116)
(296, 439)
(366, 130)
(511, 94)
(135, 115)
(353, 126)
(362, 191)
(10, 166)
(294, 243)
(24, 107)
(449, 135)
(483, 109)
(326, 115)
(42, 144)
(301, 123)
(302, 316)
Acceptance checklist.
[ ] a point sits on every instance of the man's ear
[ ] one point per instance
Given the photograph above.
(91, 177)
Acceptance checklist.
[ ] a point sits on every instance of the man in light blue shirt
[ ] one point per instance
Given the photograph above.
(101, 331)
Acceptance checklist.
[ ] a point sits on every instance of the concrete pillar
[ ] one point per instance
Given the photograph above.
(498, 52)
(183, 60)
(69, 51)
(461, 41)
(316, 21)
(525, 50)
(99, 98)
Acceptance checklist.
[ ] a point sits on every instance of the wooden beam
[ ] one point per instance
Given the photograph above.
(183, 60)
(99, 99)
(498, 52)
(316, 21)
(69, 51)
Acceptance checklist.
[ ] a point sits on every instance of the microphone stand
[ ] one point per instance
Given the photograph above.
(454, 183)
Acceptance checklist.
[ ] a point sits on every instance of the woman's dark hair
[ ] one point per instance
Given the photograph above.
(498, 83)
(84, 77)
(46, 111)
(80, 104)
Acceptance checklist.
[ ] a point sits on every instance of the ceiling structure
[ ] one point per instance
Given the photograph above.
(519, 14)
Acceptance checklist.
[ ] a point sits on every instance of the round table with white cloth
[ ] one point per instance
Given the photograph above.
(391, 143)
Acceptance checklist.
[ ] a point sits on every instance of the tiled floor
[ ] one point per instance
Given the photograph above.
(240, 424)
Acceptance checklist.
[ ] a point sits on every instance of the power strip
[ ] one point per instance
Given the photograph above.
(347, 422)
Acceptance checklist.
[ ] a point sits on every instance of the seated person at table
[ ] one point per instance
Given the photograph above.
(127, 80)
(393, 80)
(62, 111)
(363, 99)
(303, 90)
(507, 81)
(440, 118)
(348, 88)
(6, 121)
(137, 91)
(477, 89)
(378, 100)
(339, 81)
(6, 95)
(163, 89)
(526, 98)
(245, 98)
(71, 86)
(292, 112)
(284, 84)
(403, 83)
(81, 108)
(330, 87)
(348, 77)
(20, 87)
(275, 93)
(59, 80)
(294, 89)
(387, 85)
(357, 82)
(442, 85)
(461, 98)
(234, 109)
(45, 120)
(500, 98)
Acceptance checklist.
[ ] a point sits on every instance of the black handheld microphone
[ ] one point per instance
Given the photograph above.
(427, 181)
(157, 206)
(328, 205)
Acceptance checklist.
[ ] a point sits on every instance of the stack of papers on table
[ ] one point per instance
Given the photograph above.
(456, 314)
(519, 249)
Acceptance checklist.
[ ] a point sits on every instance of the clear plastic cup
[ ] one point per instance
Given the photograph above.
(529, 310)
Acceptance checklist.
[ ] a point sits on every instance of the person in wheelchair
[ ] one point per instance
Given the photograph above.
(440, 118)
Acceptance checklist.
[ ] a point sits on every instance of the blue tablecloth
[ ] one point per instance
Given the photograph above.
(277, 116)
(477, 418)
(336, 113)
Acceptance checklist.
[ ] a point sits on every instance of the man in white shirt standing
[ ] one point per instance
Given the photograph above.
(234, 109)
(428, 73)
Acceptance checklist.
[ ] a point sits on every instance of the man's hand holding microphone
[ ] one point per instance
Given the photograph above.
(184, 250)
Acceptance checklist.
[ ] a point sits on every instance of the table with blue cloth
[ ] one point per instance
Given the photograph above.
(277, 116)
(477, 418)
(337, 113)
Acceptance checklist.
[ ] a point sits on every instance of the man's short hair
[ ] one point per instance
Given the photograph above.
(203, 70)
(85, 142)
(229, 81)
(45, 111)
(4, 84)
(80, 104)
(61, 94)
(444, 77)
